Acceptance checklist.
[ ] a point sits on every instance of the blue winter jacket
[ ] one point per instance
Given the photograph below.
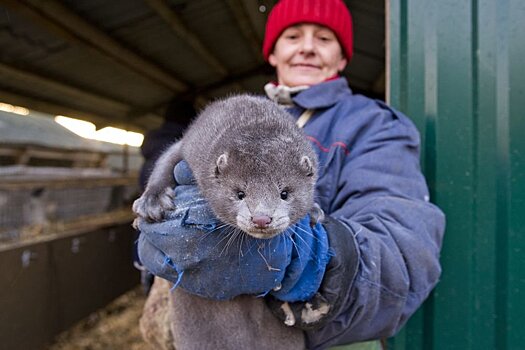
(387, 235)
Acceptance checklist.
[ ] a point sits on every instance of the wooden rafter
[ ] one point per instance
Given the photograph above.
(31, 79)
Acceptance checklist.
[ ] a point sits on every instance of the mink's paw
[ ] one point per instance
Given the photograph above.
(152, 206)
(306, 315)
(316, 215)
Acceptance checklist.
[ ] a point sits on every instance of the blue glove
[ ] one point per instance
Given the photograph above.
(192, 249)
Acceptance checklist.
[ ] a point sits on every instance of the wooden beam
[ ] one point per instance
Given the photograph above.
(24, 153)
(100, 119)
(10, 73)
(178, 26)
(35, 17)
(62, 16)
(246, 29)
(28, 180)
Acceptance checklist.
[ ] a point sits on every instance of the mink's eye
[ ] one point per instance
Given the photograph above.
(241, 195)
(284, 195)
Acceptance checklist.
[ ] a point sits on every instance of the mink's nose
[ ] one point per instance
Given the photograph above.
(262, 221)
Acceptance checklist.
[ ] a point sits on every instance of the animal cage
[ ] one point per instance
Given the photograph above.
(35, 202)
(53, 181)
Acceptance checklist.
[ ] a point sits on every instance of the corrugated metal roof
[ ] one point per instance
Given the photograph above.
(119, 62)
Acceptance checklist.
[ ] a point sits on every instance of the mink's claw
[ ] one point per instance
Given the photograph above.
(152, 206)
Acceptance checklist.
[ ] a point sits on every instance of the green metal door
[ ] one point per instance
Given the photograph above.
(457, 68)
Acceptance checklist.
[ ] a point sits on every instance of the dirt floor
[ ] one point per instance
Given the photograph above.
(115, 327)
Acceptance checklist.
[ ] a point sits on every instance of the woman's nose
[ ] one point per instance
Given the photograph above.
(307, 44)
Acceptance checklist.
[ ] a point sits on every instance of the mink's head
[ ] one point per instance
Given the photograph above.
(263, 193)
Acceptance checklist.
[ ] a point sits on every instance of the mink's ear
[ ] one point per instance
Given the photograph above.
(307, 166)
(221, 164)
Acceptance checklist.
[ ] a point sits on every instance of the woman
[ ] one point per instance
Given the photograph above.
(371, 182)
(384, 235)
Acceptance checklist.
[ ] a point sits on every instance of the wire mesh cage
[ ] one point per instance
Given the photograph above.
(53, 181)
(36, 201)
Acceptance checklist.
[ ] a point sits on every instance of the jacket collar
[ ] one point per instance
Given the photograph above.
(282, 94)
(322, 95)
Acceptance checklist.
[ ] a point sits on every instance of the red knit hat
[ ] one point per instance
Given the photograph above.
(332, 14)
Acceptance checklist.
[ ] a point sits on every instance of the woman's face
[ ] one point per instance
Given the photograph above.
(306, 54)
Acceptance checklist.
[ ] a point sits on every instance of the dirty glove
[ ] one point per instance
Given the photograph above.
(195, 251)
(146, 277)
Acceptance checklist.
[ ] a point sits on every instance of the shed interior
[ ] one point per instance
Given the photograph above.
(120, 62)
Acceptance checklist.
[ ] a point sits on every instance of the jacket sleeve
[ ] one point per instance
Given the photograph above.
(385, 235)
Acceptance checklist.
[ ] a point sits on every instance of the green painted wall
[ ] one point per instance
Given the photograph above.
(457, 68)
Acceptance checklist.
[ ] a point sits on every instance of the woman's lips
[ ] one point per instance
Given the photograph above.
(305, 66)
